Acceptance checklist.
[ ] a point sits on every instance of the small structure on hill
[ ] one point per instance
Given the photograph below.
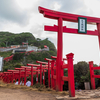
(15, 46)
(24, 44)
(46, 48)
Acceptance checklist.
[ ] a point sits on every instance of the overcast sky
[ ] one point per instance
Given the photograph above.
(23, 16)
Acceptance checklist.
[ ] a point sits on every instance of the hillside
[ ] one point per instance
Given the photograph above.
(7, 39)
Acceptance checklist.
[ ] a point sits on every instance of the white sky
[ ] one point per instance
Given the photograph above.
(23, 16)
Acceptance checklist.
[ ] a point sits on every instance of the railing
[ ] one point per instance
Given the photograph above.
(9, 58)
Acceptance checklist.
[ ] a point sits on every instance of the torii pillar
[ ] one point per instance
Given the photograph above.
(59, 52)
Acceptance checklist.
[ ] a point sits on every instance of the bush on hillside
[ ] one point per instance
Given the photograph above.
(18, 56)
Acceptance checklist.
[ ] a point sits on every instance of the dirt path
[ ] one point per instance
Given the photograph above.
(83, 95)
(21, 94)
(18, 94)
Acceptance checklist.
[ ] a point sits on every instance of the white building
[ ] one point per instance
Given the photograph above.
(30, 48)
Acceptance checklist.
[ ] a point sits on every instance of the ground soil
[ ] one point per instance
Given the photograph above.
(20, 94)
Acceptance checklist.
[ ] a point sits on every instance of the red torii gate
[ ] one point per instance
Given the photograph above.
(32, 71)
(24, 72)
(37, 70)
(24, 43)
(60, 16)
(49, 74)
(13, 72)
(41, 70)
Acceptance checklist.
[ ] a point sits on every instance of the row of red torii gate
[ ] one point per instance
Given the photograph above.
(56, 67)
(39, 70)
(50, 66)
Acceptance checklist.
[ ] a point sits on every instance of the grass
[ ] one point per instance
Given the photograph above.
(5, 54)
(36, 87)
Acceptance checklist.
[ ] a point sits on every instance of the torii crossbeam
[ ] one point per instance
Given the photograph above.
(60, 16)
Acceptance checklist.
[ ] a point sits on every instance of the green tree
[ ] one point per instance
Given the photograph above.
(82, 73)
(2, 44)
(18, 56)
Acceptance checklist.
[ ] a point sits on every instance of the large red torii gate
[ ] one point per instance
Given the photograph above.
(60, 16)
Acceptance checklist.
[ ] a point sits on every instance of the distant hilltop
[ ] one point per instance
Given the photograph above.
(8, 39)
